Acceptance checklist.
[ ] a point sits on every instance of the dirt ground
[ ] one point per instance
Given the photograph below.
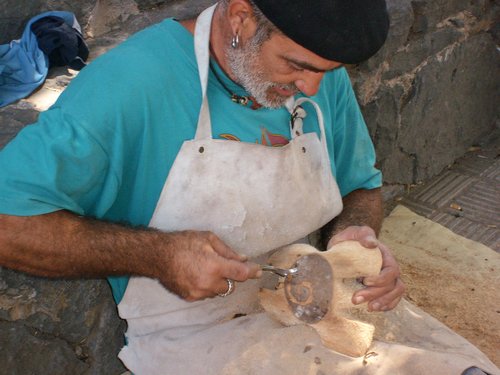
(464, 310)
(451, 278)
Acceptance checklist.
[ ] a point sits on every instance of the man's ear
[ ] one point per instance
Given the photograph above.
(241, 18)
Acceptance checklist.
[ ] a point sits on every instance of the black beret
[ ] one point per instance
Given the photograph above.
(346, 31)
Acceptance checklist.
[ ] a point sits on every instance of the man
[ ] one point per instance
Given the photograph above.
(128, 143)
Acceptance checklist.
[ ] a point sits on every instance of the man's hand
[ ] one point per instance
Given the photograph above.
(198, 265)
(382, 292)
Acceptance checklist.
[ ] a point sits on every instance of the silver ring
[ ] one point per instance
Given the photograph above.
(230, 288)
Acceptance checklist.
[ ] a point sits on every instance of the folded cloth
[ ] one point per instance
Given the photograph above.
(24, 66)
(61, 42)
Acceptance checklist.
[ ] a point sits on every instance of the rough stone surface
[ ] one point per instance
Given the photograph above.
(14, 14)
(96, 17)
(429, 94)
(71, 327)
(433, 89)
(22, 351)
(14, 119)
(447, 108)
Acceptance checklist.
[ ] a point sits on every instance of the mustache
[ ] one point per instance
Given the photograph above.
(283, 86)
(291, 88)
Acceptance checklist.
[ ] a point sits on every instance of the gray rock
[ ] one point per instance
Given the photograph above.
(455, 101)
(28, 351)
(408, 59)
(12, 120)
(95, 16)
(77, 319)
(401, 18)
(427, 14)
(423, 77)
(14, 14)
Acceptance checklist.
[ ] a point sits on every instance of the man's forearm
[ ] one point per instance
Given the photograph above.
(192, 264)
(361, 207)
(61, 244)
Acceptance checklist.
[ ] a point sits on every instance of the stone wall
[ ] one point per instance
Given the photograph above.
(58, 327)
(433, 90)
(429, 94)
(91, 14)
(96, 17)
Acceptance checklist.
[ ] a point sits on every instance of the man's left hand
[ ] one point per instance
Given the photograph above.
(382, 292)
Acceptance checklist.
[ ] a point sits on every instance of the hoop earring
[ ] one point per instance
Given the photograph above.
(235, 42)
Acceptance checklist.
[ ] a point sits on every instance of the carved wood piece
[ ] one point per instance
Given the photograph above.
(335, 321)
(310, 291)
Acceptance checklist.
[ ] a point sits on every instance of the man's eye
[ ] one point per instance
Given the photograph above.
(295, 67)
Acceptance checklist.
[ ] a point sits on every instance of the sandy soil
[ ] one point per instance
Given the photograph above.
(452, 278)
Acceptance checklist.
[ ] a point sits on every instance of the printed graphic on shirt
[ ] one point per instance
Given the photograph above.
(266, 138)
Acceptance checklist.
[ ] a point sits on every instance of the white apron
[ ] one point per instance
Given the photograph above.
(257, 198)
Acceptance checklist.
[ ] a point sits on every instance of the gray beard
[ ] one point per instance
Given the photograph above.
(244, 64)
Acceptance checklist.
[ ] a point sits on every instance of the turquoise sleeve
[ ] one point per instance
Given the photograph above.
(118, 286)
(52, 165)
(353, 152)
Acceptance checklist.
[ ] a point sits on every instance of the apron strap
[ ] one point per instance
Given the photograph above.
(201, 48)
(298, 113)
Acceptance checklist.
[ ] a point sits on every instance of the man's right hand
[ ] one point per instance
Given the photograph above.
(196, 265)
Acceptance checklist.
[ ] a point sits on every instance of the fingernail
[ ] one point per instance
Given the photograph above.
(367, 282)
(372, 240)
(258, 274)
(384, 308)
(376, 306)
(358, 300)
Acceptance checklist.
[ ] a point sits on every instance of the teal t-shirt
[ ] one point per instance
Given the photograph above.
(105, 148)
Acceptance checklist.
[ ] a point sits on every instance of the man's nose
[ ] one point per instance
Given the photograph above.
(309, 82)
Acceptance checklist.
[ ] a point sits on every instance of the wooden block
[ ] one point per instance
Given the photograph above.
(336, 323)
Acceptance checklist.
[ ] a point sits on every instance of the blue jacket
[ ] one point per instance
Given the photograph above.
(23, 65)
